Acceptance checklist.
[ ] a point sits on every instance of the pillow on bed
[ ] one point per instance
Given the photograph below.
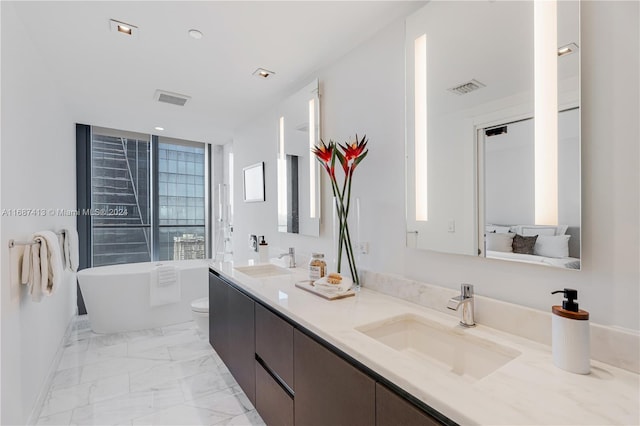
(499, 241)
(531, 230)
(524, 245)
(498, 229)
(552, 246)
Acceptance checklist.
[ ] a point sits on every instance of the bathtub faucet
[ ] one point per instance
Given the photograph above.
(292, 257)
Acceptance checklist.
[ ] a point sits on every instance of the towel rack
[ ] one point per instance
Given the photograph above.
(13, 243)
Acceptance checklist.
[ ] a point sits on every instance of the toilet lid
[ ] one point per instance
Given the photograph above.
(200, 305)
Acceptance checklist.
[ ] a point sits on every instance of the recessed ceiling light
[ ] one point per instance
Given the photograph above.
(264, 73)
(159, 128)
(195, 34)
(567, 49)
(123, 28)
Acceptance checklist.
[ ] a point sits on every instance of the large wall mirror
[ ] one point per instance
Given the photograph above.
(493, 130)
(298, 172)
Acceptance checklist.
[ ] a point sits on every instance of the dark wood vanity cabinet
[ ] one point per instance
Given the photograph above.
(329, 390)
(393, 410)
(232, 332)
(274, 344)
(273, 402)
(218, 318)
(293, 377)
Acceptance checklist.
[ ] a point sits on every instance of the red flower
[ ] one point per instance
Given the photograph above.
(355, 149)
(354, 153)
(324, 152)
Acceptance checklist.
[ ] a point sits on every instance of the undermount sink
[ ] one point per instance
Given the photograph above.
(262, 270)
(434, 344)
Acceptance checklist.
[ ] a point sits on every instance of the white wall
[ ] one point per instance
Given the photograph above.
(364, 93)
(38, 171)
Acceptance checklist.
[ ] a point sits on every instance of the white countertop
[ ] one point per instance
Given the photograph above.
(527, 390)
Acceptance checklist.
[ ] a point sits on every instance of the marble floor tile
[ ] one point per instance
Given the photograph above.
(231, 401)
(182, 415)
(71, 358)
(67, 398)
(202, 385)
(171, 371)
(163, 376)
(192, 349)
(250, 418)
(115, 366)
(66, 377)
(58, 419)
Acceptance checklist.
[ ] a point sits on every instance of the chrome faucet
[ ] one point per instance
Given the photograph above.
(466, 301)
(292, 257)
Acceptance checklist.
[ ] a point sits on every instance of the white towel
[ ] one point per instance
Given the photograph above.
(35, 282)
(50, 261)
(164, 285)
(70, 243)
(25, 272)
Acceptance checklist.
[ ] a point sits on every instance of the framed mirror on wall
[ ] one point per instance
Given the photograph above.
(298, 171)
(493, 130)
(253, 183)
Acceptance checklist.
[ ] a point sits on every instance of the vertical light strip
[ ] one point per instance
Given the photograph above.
(282, 179)
(312, 160)
(231, 186)
(546, 112)
(281, 139)
(420, 120)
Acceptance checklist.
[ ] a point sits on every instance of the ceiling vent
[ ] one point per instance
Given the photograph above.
(464, 88)
(171, 98)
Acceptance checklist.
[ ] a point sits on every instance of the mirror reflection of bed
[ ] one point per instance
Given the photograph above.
(510, 231)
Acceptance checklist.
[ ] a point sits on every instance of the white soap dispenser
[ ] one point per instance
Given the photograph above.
(263, 251)
(570, 343)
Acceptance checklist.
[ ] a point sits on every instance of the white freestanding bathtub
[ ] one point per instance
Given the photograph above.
(117, 296)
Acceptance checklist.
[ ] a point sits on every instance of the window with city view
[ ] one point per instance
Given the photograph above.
(166, 224)
(181, 183)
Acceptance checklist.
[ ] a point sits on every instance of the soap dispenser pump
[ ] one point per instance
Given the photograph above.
(263, 250)
(570, 343)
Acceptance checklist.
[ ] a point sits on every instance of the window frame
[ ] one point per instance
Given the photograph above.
(84, 190)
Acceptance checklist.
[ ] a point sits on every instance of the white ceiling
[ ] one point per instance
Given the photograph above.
(109, 80)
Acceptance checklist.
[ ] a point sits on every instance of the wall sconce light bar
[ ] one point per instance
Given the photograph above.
(282, 176)
(546, 112)
(312, 161)
(420, 131)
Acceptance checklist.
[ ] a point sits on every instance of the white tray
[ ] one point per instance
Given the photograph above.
(307, 285)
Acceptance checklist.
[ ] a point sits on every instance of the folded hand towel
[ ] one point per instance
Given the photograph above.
(50, 261)
(164, 285)
(70, 244)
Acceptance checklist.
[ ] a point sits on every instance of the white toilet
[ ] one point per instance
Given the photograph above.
(200, 313)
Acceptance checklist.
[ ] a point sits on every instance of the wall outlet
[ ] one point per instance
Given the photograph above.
(363, 248)
(253, 243)
(451, 226)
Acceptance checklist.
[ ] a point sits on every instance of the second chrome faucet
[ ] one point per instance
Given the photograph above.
(464, 304)
(292, 257)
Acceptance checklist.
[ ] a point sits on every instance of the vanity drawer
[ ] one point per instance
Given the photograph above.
(392, 410)
(274, 344)
(273, 403)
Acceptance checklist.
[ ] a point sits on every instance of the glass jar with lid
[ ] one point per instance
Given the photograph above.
(317, 266)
